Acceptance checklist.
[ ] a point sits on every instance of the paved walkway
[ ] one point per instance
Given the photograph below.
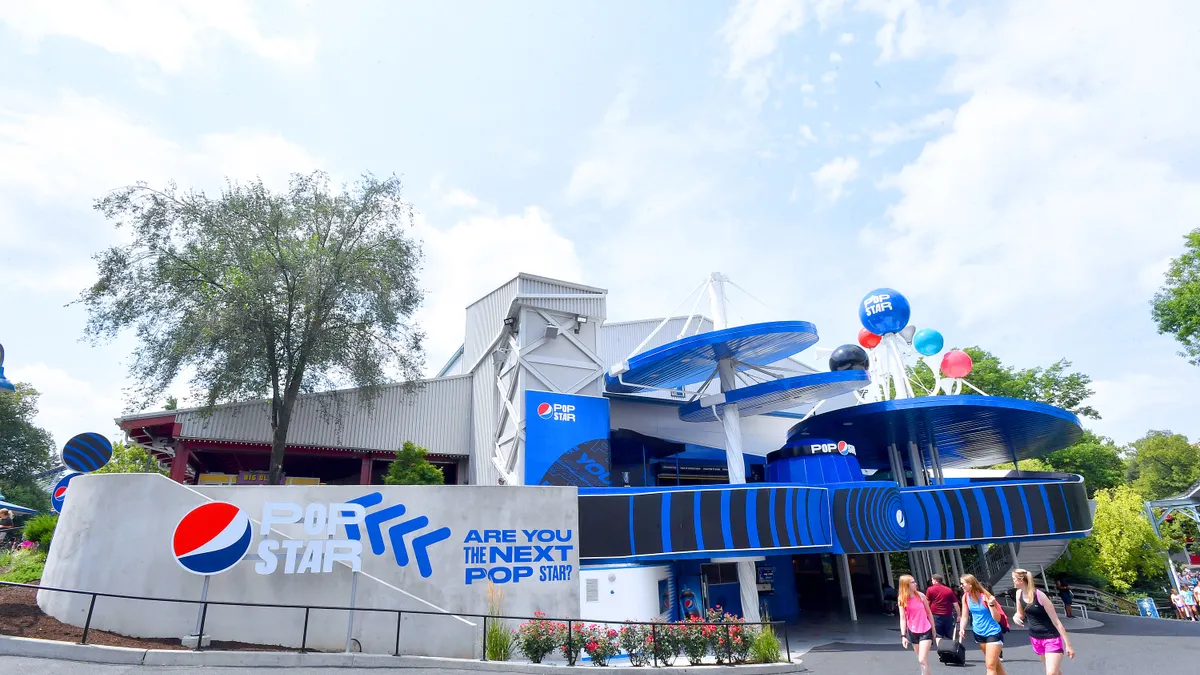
(1122, 645)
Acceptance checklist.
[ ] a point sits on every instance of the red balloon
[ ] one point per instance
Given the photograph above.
(868, 339)
(957, 363)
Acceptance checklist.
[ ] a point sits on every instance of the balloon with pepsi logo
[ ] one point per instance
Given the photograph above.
(868, 339)
(849, 357)
(86, 452)
(928, 342)
(58, 495)
(883, 311)
(956, 363)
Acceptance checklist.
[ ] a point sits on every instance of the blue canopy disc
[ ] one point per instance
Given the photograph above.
(693, 359)
(967, 430)
(781, 394)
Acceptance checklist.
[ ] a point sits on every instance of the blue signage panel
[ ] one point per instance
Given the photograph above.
(1146, 607)
(566, 440)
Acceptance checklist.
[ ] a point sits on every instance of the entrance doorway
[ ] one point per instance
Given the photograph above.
(817, 587)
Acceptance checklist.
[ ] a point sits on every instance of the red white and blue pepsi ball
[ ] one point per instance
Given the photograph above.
(212, 538)
(545, 410)
(58, 495)
(86, 452)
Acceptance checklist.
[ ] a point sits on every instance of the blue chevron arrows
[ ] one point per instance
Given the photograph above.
(397, 533)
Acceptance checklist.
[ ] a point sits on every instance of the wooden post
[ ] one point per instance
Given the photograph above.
(364, 473)
(179, 463)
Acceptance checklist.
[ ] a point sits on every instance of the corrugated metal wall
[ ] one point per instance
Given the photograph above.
(618, 340)
(593, 308)
(436, 416)
(484, 319)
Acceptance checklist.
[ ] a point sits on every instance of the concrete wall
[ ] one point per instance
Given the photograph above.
(624, 593)
(115, 536)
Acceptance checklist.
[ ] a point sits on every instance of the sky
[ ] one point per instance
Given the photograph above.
(1022, 171)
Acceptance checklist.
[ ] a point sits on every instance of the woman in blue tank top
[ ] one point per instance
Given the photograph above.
(978, 604)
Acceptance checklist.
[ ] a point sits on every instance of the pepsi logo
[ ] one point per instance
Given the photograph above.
(900, 517)
(845, 448)
(58, 495)
(545, 411)
(211, 538)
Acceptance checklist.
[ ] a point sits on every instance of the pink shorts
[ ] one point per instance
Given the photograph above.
(1041, 647)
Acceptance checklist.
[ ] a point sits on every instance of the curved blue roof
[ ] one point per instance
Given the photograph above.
(968, 430)
(692, 359)
(779, 394)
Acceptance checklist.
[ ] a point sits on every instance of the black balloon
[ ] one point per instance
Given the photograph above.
(849, 357)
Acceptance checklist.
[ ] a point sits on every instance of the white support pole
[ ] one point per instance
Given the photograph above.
(887, 569)
(1012, 550)
(350, 620)
(847, 586)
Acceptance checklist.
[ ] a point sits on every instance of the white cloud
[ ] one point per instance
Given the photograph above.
(835, 57)
(755, 27)
(69, 405)
(171, 34)
(807, 88)
(460, 198)
(941, 120)
(806, 135)
(831, 179)
(846, 39)
(469, 258)
(829, 77)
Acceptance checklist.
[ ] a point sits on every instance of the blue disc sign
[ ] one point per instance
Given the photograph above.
(59, 494)
(883, 311)
(87, 452)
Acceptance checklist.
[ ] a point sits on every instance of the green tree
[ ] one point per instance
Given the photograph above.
(131, 459)
(1176, 306)
(411, 468)
(1126, 547)
(1163, 464)
(26, 449)
(262, 293)
(172, 403)
(1094, 457)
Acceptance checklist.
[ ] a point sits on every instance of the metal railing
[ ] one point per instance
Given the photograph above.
(570, 623)
(996, 561)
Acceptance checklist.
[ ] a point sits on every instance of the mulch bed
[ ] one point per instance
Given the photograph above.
(20, 616)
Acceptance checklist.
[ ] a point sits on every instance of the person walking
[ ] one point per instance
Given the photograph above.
(944, 605)
(916, 621)
(982, 609)
(889, 599)
(1177, 603)
(1064, 594)
(1189, 602)
(1046, 633)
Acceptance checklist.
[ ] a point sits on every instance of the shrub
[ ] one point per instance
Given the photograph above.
(22, 566)
(729, 640)
(497, 640)
(537, 638)
(601, 644)
(41, 529)
(632, 639)
(665, 641)
(695, 640)
(571, 640)
(765, 647)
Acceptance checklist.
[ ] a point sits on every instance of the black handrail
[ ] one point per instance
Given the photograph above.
(399, 615)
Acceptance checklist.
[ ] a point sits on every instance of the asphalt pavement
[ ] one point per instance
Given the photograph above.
(1123, 645)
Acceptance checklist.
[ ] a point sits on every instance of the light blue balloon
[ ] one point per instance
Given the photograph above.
(883, 311)
(928, 342)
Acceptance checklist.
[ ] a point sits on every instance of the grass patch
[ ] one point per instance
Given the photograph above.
(22, 567)
(498, 641)
(765, 648)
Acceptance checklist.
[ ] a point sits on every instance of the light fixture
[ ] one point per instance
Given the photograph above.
(579, 321)
(552, 331)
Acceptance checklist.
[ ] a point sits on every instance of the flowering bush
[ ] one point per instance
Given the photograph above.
(696, 639)
(664, 642)
(741, 641)
(571, 640)
(537, 638)
(601, 644)
(632, 639)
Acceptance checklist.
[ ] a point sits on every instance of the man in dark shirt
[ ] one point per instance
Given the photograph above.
(944, 605)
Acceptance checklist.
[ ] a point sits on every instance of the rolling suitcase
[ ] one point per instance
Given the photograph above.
(951, 651)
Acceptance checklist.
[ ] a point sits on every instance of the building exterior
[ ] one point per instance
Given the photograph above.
(545, 391)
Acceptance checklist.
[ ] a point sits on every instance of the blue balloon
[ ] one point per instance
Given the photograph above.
(928, 342)
(883, 311)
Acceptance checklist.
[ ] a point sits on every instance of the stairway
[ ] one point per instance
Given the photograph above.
(1034, 556)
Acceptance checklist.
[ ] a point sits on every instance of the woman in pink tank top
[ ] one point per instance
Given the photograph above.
(916, 621)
